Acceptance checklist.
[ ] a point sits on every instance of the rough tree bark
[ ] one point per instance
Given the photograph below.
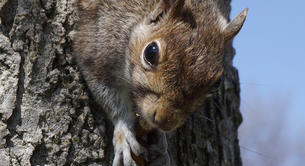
(47, 116)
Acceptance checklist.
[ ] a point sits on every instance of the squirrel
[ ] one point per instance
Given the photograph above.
(155, 58)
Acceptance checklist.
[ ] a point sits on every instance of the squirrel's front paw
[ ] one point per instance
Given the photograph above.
(124, 142)
(157, 153)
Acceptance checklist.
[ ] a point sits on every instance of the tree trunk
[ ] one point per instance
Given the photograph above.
(47, 116)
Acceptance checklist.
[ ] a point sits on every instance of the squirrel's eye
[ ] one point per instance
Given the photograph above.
(216, 85)
(151, 54)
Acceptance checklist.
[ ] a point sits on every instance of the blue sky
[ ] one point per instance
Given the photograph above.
(270, 58)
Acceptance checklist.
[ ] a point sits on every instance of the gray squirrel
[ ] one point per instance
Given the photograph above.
(156, 58)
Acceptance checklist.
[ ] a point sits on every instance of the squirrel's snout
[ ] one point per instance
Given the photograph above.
(165, 123)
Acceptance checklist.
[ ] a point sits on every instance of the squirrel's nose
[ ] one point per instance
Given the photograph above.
(165, 122)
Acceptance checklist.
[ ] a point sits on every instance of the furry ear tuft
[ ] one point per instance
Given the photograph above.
(232, 29)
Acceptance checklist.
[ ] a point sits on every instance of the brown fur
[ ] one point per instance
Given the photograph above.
(191, 51)
(109, 44)
(190, 62)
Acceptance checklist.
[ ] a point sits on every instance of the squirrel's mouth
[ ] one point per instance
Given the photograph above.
(165, 123)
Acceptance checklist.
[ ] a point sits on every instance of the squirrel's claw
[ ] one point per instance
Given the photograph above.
(124, 141)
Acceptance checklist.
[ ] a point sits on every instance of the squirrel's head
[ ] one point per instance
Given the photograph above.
(176, 59)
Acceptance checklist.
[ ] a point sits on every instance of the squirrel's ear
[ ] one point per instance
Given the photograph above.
(176, 9)
(163, 7)
(232, 29)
